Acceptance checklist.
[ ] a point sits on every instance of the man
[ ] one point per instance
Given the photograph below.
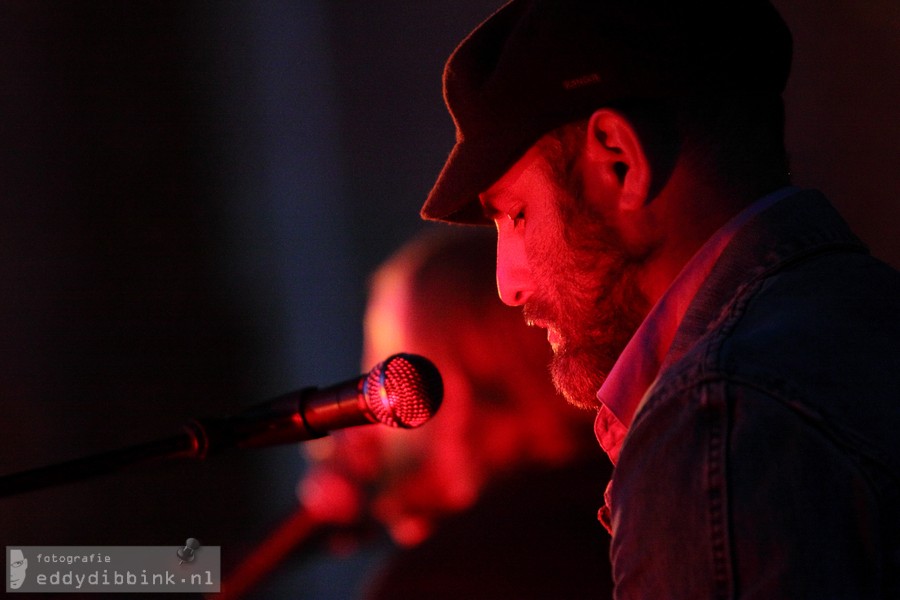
(738, 342)
(18, 565)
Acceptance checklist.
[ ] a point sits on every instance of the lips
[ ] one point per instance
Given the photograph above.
(553, 336)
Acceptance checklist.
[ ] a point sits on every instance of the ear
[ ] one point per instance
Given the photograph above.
(614, 154)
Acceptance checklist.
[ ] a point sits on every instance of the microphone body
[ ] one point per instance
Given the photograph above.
(404, 390)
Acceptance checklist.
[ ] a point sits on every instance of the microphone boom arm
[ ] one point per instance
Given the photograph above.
(200, 438)
(407, 384)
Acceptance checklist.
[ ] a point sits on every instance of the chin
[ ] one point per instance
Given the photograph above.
(577, 383)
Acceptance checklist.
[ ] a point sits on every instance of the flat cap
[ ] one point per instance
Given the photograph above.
(535, 65)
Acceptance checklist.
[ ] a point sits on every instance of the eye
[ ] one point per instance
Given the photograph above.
(517, 216)
(18, 563)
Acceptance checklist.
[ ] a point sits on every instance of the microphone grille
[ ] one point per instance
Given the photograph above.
(404, 390)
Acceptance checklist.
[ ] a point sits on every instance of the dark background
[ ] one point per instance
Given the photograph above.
(193, 194)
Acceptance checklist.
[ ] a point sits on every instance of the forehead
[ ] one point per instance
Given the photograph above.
(529, 176)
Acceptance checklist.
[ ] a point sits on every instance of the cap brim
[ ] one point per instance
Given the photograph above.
(472, 167)
(454, 197)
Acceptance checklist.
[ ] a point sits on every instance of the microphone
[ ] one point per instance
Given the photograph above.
(404, 391)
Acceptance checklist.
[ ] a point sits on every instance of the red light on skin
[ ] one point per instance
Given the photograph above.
(329, 497)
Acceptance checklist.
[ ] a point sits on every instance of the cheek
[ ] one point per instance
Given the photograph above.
(546, 252)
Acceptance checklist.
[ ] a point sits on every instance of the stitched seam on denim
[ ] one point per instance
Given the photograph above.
(793, 397)
(881, 473)
(732, 312)
(717, 494)
(863, 459)
(870, 463)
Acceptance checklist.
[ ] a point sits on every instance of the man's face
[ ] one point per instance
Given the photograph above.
(17, 566)
(561, 259)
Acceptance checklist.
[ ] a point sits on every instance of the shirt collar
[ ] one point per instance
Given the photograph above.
(638, 365)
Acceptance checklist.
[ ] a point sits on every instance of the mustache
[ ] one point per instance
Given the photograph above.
(537, 310)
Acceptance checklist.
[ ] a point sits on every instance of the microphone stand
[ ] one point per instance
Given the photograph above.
(299, 532)
(73, 470)
(404, 390)
(269, 554)
(277, 421)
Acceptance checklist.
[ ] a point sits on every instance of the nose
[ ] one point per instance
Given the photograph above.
(514, 282)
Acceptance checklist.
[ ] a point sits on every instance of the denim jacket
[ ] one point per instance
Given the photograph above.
(764, 461)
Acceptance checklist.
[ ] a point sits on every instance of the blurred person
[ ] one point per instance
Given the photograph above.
(738, 342)
(495, 496)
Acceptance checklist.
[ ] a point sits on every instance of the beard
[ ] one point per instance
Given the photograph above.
(590, 294)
